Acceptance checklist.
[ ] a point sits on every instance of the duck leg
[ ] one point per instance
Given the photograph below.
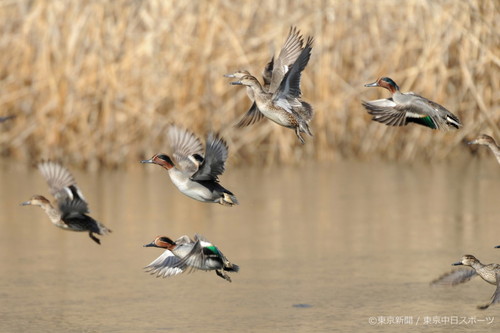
(223, 275)
(94, 238)
(307, 129)
(297, 132)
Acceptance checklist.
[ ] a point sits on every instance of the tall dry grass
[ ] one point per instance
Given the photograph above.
(96, 82)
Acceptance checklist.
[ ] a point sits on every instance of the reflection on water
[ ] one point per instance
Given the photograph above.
(320, 247)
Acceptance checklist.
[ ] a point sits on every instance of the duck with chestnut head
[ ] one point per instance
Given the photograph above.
(186, 254)
(193, 171)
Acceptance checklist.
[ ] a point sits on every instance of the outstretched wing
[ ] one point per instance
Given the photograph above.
(165, 265)
(184, 145)
(76, 206)
(252, 116)
(455, 277)
(195, 258)
(61, 182)
(287, 57)
(290, 85)
(384, 111)
(215, 158)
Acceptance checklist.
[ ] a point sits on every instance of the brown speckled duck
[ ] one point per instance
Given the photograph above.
(489, 273)
(487, 140)
(273, 73)
(285, 106)
(72, 209)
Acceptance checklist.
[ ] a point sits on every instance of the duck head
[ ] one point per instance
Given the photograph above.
(162, 242)
(384, 82)
(36, 200)
(162, 160)
(483, 139)
(466, 260)
(247, 80)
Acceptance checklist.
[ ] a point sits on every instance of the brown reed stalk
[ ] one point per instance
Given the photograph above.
(97, 82)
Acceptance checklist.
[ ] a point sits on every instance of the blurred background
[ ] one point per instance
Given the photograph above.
(325, 240)
(96, 83)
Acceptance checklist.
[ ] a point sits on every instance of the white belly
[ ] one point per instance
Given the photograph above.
(190, 188)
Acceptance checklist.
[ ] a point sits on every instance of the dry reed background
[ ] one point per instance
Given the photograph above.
(96, 82)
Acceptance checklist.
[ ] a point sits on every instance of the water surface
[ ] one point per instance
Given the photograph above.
(321, 248)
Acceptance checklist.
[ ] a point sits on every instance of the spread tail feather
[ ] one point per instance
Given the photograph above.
(232, 268)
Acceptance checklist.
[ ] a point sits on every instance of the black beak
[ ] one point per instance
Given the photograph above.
(457, 263)
(236, 83)
(152, 244)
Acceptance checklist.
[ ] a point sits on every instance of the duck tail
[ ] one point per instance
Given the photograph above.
(228, 199)
(102, 229)
(307, 110)
(453, 121)
(232, 268)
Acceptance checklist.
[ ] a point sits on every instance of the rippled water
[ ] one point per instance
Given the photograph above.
(321, 248)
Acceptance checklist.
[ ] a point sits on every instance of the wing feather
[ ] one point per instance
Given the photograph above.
(288, 55)
(252, 116)
(215, 158)
(167, 264)
(61, 182)
(455, 277)
(184, 145)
